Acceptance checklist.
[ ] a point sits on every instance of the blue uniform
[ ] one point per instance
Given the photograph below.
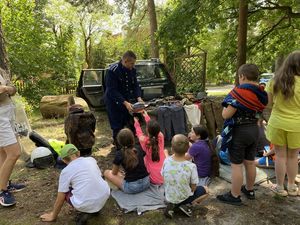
(121, 85)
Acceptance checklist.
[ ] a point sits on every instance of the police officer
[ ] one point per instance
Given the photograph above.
(122, 89)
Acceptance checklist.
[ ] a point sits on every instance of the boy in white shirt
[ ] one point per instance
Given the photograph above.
(80, 184)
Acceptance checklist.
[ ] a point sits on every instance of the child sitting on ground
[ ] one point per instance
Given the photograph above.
(203, 155)
(181, 179)
(132, 160)
(153, 145)
(80, 184)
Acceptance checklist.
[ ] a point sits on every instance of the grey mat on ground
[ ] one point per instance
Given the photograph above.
(262, 174)
(151, 199)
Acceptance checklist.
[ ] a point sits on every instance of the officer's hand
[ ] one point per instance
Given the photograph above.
(128, 106)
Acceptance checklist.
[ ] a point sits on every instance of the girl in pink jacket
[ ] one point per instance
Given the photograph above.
(153, 145)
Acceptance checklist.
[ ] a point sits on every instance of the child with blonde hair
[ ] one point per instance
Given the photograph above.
(181, 179)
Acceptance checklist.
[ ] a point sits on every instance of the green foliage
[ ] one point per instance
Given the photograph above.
(212, 26)
(41, 54)
(19, 100)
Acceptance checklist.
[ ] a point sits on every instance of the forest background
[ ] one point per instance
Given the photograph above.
(45, 43)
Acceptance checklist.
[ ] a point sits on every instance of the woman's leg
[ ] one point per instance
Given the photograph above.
(292, 165)
(2, 156)
(115, 179)
(280, 164)
(12, 154)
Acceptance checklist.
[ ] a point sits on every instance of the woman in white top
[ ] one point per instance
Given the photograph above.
(9, 146)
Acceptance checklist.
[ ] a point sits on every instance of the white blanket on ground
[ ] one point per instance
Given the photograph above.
(151, 199)
(262, 174)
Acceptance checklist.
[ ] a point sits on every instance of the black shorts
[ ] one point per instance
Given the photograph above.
(243, 144)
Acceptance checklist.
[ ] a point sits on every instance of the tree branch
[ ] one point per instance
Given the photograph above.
(132, 9)
(140, 22)
(276, 6)
(268, 32)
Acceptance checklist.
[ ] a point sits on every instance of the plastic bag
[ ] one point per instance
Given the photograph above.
(21, 123)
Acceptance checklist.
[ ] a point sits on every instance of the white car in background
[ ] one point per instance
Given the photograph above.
(265, 78)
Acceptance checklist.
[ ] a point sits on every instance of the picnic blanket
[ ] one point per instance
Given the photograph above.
(151, 199)
(262, 174)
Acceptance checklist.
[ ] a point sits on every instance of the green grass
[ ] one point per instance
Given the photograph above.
(217, 93)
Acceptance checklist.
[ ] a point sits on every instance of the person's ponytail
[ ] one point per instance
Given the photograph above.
(130, 157)
(125, 139)
(215, 162)
(153, 129)
(155, 149)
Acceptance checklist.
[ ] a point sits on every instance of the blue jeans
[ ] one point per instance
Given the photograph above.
(200, 190)
(137, 186)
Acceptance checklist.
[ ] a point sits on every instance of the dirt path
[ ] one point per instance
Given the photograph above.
(40, 194)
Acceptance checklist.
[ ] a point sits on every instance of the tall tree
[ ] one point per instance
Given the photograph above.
(242, 36)
(153, 29)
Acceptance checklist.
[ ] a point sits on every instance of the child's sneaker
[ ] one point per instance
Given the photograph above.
(230, 199)
(186, 210)
(293, 190)
(279, 191)
(82, 218)
(169, 211)
(249, 194)
(11, 187)
(7, 199)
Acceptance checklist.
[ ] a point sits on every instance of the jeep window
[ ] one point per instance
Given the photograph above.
(92, 77)
(151, 72)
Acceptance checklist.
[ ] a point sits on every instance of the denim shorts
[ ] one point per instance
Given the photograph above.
(137, 186)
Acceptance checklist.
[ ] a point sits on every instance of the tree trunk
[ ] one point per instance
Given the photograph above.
(3, 55)
(153, 29)
(242, 36)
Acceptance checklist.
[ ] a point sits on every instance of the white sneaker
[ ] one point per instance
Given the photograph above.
(293, 190)
(279, 191)
(297, 179)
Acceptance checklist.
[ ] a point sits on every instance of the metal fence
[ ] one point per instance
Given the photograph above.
(68, 87)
